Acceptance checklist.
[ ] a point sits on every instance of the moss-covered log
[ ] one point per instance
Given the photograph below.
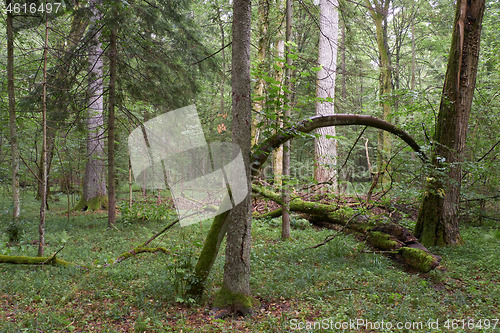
(272, 214)
(24, 260)
(418, 259)
(386, 237)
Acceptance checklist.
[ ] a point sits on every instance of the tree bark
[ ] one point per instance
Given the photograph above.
(379, 11)
(325, 148)
(43, 204)
(111, 128)
(235, 293)
(16, 208)
(285, 190)
(262, 47)
(437, 222)
(94, 185)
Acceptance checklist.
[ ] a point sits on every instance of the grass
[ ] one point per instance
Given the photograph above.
(297, 286)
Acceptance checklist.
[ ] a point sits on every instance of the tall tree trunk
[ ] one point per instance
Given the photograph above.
(278, 153)
(111, 128)
(16, 210)
(379, 11)
(343, 63)
(437, 222)
(285, 191)
(262, 45)
(325, 148)
(235, 293)
(413, 56)
(94, 184)
(41, 226)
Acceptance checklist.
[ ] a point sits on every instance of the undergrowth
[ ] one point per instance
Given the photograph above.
(340, 281)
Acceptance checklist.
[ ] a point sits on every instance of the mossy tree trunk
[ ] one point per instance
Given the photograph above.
(437, 222)
(379, 10)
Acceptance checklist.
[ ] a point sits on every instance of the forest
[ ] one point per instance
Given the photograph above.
(249, 166)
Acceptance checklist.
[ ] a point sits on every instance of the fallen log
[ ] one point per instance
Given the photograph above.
(390, 237)
(24, 260)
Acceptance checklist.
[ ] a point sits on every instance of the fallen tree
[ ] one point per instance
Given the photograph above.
(389, 237)
(259, 156)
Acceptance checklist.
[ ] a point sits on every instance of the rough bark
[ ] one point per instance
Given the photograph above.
(278, 152)
(235, 293)
(437, 222)
(14, 149)
(325, 147)
(43, 204)
(111, 129)
(94, 185)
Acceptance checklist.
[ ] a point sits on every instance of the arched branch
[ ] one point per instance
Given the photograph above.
(261, 153)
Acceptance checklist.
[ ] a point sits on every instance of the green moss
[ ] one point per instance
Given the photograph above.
(23, 260)
(100, 202)
(235, 302)
(418, 259)
(209, 254)
(381, 240)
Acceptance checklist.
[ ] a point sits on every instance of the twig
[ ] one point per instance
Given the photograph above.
(52, 257)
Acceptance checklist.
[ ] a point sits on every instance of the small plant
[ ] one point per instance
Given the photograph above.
(183, 276)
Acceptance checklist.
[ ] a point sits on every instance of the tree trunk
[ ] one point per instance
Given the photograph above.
(111, 128)
(235, 293)
(16, 208)
(325, 147)
(278, 153)
(94, 184)
(379, 12)
(437, 222)
(41, 226)
(285, 191)
(262, 45)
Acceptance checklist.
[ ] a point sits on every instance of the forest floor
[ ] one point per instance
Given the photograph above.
(342, 284)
